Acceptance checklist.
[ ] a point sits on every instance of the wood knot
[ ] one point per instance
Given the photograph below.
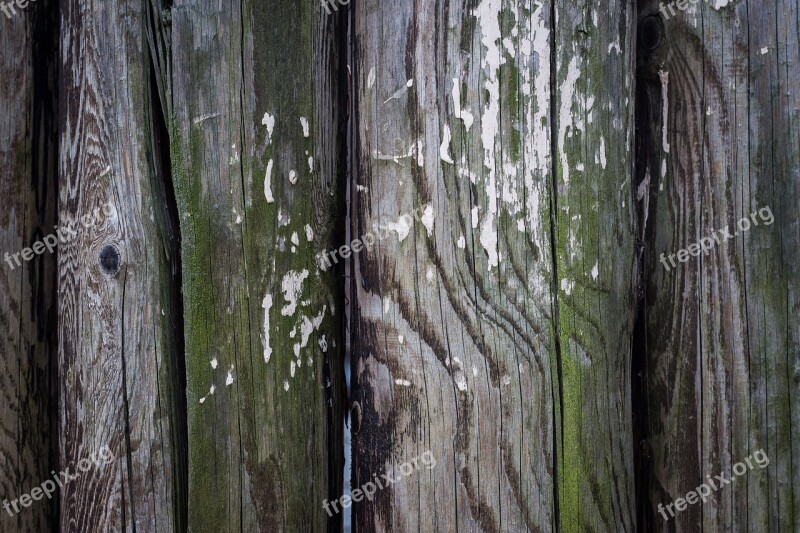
(109, 260)
(651, 32)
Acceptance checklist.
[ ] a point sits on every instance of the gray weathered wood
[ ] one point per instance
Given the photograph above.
(723, 359)
(27, 288)
(119, 356)
(496, 333)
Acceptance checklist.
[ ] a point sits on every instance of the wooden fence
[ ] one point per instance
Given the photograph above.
(541, 280)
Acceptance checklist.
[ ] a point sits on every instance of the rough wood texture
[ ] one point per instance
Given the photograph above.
(723, 358)
(256, 172)
(496, 333)
(119, 357)
(27, 290)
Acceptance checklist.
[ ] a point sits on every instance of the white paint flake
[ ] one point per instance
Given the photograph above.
(292, 368)
(603, 152)
(268, 184)
(474, 217)
(474, 370)
(565, 113)
(402, 227)
(311, 164)
(234, 155)
(309, 233)
(371, 78)
(214, 363)
(402, 382)
(664, 77)
(444, 149)
(401, 91)
(567, 286)
(292, 285)
(764, 50)
(286, 385)
(229, 378)
(269, 122)
(292, 177)
(295, 239)
(304, 123)
(462, 243)
(427, 219)
(595, 271)
(461, 381)
(400, 339)
(266, 305)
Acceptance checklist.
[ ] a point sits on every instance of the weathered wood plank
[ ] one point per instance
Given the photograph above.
(27, 288)
(257, 174)
(119, 355)
(477, 335)
(722, 343)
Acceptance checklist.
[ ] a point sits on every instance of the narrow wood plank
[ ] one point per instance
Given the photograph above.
(256, 170)
(27, 288)
(119, 357)
(474, 330)
(722, 342)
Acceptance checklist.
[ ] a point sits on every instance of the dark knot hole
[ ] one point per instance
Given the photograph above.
(109, 259)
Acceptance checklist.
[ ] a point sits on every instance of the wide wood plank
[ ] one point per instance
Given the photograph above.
(119, 347)
(257, 174)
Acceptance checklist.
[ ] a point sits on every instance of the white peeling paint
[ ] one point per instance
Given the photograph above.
(764, 50)
(664, 77)
(292, 285)
(229, 378)
(427, 219)
(268, 184)
(309, 233)
(269, 122)
(295, 238)
(595, 271)
(401, 91)
(567, 286)
(214, 363)
(445, 147)
(292, 368)
(489, 241)
(286, 385)
(462, 243)
(461, 381)
(402, 382)
(402, 227)
(400, 339)
(603, 152)
(311, 164)
(304, 123)
(371, 78)
(323, 344)
(292, 177)
(565, 122)
(266, 305)
(474, 370)
(474, 217)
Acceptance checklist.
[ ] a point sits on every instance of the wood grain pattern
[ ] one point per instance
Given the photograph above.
(722, 350)
(496, 333)
(119, 358)
(257, 173)
(27, 288)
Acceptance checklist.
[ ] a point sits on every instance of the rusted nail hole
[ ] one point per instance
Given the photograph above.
(109, 260)
(651, 32)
